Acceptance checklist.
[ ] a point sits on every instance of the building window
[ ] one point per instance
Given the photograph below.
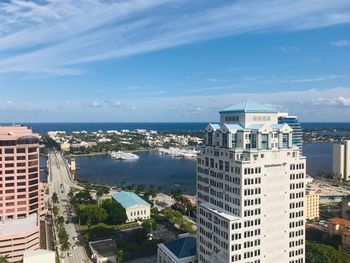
(253, 141)
(285, 140)
(264, 141)
(224, 140)
(210, 138)
(234, 141)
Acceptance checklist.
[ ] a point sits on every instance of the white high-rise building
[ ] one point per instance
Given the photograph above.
(251, 189)
(341, 160)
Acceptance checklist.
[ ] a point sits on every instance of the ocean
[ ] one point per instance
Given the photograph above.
(158, 126)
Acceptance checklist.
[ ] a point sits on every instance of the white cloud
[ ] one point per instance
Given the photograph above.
(55, 37)
(333, 101)
(341, 43)
(309, 105)
(288, 48)
(94, 104)
(114, 103)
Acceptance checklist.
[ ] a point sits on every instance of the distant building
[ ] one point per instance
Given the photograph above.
(345, 208)
(72, 164)
(39, 256)
(294, 123)
(136, 208)
(341, 160)
(312, 205)
(103, 250)
(20, 192)
(336, 225)
(341, 227)
(65, 147)
(182, 250)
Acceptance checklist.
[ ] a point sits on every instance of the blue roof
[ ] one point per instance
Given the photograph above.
(215, 125)
(182, 247)
(128, 199)
(254, 126)
(234, 126)
(249, 106)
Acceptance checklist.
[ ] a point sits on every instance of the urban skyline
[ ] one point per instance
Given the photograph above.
(172, 60)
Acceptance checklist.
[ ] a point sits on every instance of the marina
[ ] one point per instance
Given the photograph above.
(178, 152)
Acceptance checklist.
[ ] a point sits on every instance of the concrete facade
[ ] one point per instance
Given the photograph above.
(135, 207)
(341, 160)
(312, 207)
(251, 190)
(39, 256)
(20, 192)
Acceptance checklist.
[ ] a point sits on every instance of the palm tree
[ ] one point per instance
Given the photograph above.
(55, 210)
(3, 259)
(119, 254)
(54, 198)
(60, 221)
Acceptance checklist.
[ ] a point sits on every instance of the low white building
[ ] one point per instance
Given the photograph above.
(182, 250)
(136, 208)
(39, 256)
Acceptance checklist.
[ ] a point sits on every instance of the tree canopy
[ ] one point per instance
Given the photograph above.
(82, 197)
(319, 253)
(91, 214)
(116, 213)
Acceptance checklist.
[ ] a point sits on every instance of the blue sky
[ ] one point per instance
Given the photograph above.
(172, 60)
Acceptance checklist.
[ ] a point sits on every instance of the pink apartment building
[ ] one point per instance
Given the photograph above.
(21, 195)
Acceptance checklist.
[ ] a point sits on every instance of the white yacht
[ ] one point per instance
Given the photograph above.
(119, 155)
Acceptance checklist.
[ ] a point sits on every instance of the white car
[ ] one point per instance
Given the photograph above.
(74, 246)
(69, 254)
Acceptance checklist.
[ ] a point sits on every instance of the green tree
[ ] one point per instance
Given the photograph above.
(140, 188)
(65, 245)
(82, 197)
(55, 210)
(319, 253)
(54, 198)
(99, 193)
(119, 255)
(177, 193)
(91, 214)
(60, 220)
(63, 237)
(70, 194)
(116, 213)
(3, 259)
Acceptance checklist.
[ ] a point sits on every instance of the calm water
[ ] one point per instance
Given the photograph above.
(168, 172)
(151, 168)
(165, 171)
(159, 126)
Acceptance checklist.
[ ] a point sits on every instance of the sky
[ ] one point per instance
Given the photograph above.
(172, 60)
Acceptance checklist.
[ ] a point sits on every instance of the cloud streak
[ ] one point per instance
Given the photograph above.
(59, 37)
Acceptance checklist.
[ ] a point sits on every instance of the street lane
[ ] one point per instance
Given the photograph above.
(61, 184)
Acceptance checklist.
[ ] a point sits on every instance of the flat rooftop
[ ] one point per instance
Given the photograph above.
(14, 132)
(19, 225)
(103, 248)
(220, 212)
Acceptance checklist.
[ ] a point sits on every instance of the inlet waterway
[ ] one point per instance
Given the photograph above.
(167, 172)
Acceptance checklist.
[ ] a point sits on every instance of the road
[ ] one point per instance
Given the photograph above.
(60, 182)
